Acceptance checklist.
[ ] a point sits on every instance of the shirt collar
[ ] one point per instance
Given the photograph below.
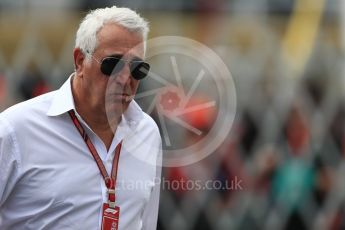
(63, 99)
(63, 102)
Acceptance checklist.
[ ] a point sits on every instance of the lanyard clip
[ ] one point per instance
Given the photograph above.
(111, 198)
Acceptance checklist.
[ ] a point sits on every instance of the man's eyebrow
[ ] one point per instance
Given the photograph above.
(115, 55)
(118, 55)
(136, 58)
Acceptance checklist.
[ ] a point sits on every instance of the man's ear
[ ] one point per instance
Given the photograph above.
(79, 58)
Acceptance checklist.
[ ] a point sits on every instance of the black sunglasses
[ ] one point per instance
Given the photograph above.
(114, 64)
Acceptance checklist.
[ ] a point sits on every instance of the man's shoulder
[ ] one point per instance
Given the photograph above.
(32, 108)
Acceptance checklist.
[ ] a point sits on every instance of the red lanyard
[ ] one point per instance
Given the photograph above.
(110, 182)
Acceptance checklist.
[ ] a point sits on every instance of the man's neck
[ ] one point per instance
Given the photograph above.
(96, 118)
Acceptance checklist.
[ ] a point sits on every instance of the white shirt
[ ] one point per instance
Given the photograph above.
(49, 179)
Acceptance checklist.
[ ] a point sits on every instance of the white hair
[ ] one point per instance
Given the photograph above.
(86, 38)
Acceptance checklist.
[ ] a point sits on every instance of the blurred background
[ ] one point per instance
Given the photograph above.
(287, 143)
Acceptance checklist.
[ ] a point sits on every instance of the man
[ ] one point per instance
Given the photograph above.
(85, 156)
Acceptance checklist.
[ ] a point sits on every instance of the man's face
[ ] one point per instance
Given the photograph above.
(112, 94)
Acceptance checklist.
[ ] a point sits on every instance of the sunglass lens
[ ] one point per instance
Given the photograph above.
(140, 70)
(111, 65)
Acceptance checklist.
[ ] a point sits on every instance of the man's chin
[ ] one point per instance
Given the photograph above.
(115, 108)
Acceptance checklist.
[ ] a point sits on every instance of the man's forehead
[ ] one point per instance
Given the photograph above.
(115, 33)
(114, 39)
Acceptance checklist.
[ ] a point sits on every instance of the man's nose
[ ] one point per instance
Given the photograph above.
(124, 76)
